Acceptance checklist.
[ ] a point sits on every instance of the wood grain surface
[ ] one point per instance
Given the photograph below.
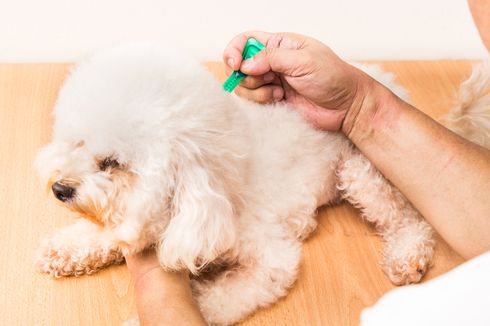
(339, 274)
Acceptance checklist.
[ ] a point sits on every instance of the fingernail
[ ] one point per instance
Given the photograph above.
(231, 63)
(277, 94)
(268, 77)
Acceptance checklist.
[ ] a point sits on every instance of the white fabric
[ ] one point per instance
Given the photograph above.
(460, 297)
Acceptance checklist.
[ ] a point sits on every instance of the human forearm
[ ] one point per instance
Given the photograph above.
(165, 298)
(162, 297)
(446, 178)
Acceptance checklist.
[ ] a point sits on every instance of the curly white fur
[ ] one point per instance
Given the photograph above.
(208, 179)
(470, 117)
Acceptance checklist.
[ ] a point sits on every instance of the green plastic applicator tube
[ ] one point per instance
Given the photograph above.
(252, 47)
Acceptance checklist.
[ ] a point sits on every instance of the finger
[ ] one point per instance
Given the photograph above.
(291, 62)
(228, 71)
(287, 41)
(232, 55)
(264, 94)
(253, 82)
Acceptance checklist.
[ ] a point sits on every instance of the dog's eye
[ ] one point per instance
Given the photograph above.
(108, 162)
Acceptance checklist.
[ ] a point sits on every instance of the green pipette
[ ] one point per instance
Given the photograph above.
(252, 47)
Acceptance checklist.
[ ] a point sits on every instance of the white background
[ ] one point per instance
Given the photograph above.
(66, 30)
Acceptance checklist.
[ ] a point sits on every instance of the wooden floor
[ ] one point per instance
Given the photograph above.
(339, 274)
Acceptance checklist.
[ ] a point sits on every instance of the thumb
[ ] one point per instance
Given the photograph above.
(291, 62)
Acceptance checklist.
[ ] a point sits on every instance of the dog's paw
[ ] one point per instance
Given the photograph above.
(301, 227)
(407, 270)
(59, 262)
(408, 253)
(55, 262)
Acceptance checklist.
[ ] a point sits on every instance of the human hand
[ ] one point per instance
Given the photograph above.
(142, 265)
(301, 71)
(162, 297)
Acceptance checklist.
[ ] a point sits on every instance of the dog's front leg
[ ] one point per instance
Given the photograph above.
(409, 246)
(81, 248)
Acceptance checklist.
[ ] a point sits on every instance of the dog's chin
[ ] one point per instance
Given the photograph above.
(82, 211)
(92, 219)
(127, 239)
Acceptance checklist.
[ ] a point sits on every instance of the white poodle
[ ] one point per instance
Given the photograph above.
(149, 148)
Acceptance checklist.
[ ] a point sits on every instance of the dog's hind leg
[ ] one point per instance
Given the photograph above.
(409, 245)
(81, 248)
(258, 281)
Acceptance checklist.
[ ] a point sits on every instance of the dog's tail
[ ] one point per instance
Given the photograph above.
(470, 117)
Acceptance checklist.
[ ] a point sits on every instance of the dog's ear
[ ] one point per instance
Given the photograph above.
(202, 222)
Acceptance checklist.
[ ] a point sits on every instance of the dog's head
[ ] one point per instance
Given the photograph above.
(145, 143)
(97, 186)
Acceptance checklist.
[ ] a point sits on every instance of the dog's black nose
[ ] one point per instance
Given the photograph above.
(62, 192)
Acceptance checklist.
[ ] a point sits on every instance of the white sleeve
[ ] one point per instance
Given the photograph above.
(459, 297)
